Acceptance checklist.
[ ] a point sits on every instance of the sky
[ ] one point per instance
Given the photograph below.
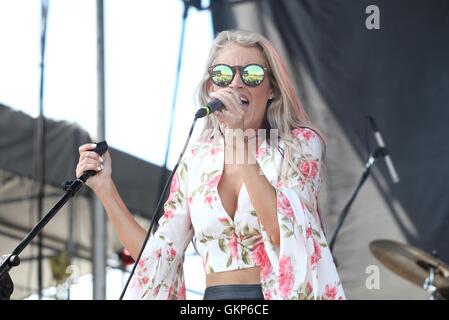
(141, 52)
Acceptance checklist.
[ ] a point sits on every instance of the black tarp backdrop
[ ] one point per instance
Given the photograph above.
(132, 175)
(399, 74)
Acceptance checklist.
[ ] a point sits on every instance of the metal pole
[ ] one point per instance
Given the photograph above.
(71, 239)
(99, 220)
(40, 147)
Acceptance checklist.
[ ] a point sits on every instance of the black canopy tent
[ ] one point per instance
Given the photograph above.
(399, 74)
(136, 180)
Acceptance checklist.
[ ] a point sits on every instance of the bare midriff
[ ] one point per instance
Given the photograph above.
(240, 276)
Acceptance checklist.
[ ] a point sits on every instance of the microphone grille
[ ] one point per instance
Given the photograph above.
(215, 105)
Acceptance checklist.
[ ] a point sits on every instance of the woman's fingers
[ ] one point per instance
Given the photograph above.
(86, 152)
(89, 160)
(86, 147)
(233, 115)
(227, 116)
(88, 164)
(230, 99)
(235, 96)
(91, 155)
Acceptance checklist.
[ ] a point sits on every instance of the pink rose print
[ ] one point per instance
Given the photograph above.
(308, 232)
(260, 153)
(168, 214)
(171, 252)
(182, 292)
(190, 200)
(330, 292)
(296, 132)
(224, 221)
(307, 134)
(232, 245)
(284, 205)
(260, 257)
(145, 280)
(213, 182)
(174, 188)
(158, 254)
(194, 152)
(142, 268)
(208, 199)
(156, 291)
(286, 277)
(309, 168)
(280, 184)
(267, 295)
(215, 150)
(170, 292)
(303, 133)
(309, 288)
(316, 254)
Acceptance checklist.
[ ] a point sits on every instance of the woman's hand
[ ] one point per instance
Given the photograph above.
(90, 160)
(232, 117)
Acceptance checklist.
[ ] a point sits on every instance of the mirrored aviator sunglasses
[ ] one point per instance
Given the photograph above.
(222, 75)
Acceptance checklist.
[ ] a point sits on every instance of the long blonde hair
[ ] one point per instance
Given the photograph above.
(284, 113)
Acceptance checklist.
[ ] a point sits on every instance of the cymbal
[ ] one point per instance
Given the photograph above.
(411, 263)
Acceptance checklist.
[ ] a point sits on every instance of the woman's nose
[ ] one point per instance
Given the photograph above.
(237, 81)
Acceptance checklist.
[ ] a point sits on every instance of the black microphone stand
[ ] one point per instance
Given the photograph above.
(71, 188)
(367, 170)
(6, 284)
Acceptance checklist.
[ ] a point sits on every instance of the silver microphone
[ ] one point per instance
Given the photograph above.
(386, 154)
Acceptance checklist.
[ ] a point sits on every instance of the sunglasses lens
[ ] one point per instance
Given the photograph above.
(253, 75)
(221, 75)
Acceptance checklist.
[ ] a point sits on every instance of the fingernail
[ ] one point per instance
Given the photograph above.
(101, 159)
(93, 145)
(101, 166)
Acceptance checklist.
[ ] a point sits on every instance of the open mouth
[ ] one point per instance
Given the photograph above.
(244, 101)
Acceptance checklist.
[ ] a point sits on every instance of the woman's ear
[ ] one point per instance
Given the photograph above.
(209, 88)
(271, 95)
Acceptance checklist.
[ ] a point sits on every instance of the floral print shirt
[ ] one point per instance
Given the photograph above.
(301, 267)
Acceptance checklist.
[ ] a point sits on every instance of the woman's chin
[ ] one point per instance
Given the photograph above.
(251, 126)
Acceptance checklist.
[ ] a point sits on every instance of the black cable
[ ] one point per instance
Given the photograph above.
(158, 210)
(175, 92)
(187, 4)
